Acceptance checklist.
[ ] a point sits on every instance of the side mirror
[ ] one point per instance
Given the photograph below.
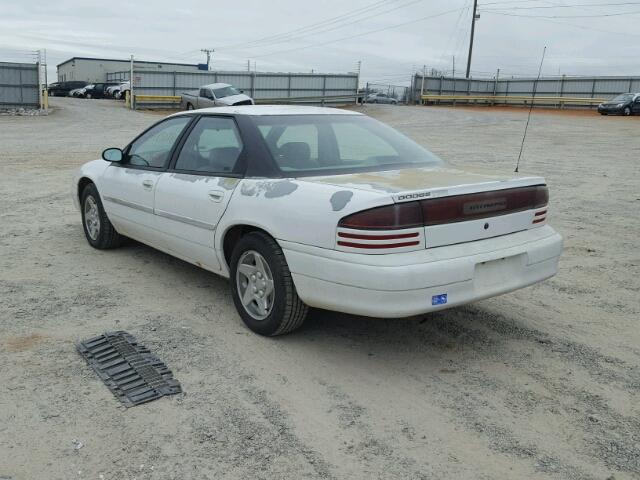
(112, 155)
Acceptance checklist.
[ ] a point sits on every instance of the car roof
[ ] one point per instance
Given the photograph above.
(272, 110)
(216, 85)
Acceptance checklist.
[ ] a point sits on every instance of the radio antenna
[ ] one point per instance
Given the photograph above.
(526, 127)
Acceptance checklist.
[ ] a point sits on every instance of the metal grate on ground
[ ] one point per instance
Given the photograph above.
(132, 373)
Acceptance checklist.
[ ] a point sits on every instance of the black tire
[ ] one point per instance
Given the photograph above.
(602, 113)
(107, 236)
(288, 311)
(87, 95)
(189, 106)
(626, 112)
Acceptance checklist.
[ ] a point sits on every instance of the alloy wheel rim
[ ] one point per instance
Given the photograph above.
(91, 218)
(254, 284)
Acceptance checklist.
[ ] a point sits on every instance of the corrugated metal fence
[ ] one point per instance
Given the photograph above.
(259, 85)
(19, 85)
(564, 86)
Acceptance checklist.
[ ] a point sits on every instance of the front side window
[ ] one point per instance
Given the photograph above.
(213, 147)
(317, 144)
(154, 147)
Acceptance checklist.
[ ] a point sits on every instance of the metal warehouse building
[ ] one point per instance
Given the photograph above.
(95, 69)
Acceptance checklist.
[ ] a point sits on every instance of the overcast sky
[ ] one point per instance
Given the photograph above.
(392, 38)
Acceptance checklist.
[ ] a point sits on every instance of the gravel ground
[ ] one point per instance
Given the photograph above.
(542, 383)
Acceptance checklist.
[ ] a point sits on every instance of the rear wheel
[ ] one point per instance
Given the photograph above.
(97, 228)
(262, 287)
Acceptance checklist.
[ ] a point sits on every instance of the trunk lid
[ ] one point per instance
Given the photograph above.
(459, 206)
(439, 181)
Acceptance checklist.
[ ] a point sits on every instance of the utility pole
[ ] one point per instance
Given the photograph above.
(453, 60)
(40, 94)
(132, 104)
(424, 74)
(358, 69)
(248, 65)
(208, 51)
(474, 17)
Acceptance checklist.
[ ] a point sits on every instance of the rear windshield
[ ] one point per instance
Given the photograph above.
(321, 144)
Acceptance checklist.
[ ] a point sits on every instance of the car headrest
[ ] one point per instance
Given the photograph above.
(224, 158)
(294, 155)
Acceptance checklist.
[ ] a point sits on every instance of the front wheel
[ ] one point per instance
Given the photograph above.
(189, 106)
(262, 288)
(627, 111)
(97, 228)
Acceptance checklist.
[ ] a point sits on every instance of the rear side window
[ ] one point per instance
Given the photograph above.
(213, 147)
(154, 147)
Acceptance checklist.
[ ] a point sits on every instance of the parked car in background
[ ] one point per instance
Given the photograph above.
(624, 104)
(97, 90)
(111, 90)
(62, 89)
(380, 98)
(318, 207)
(120, 91)
(215, 95)
(79, 92)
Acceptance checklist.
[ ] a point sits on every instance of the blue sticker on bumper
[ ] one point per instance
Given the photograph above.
(439, 299)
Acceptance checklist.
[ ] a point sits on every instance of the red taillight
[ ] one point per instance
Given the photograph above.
(458, 208)
(390, 217)
(461, 208)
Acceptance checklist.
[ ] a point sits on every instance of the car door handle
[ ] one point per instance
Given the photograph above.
(147, 184)
(216, 195)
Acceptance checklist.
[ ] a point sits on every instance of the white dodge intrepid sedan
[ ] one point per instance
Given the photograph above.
(318, 207)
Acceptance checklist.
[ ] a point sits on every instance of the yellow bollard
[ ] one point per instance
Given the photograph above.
(45, 99)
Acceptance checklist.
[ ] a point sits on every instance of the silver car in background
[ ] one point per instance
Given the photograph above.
(380, 98)
(215, 95)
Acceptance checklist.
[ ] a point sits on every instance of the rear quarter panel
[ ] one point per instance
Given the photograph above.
(294, 210)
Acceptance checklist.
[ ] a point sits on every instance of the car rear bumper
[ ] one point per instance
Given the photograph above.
(405, 284)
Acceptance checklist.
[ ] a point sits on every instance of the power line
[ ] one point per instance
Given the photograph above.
(496, 12)
(583, 27)
(577, 5)
(313, 26)
(360, 34)
(337, 27)
(446, 53)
